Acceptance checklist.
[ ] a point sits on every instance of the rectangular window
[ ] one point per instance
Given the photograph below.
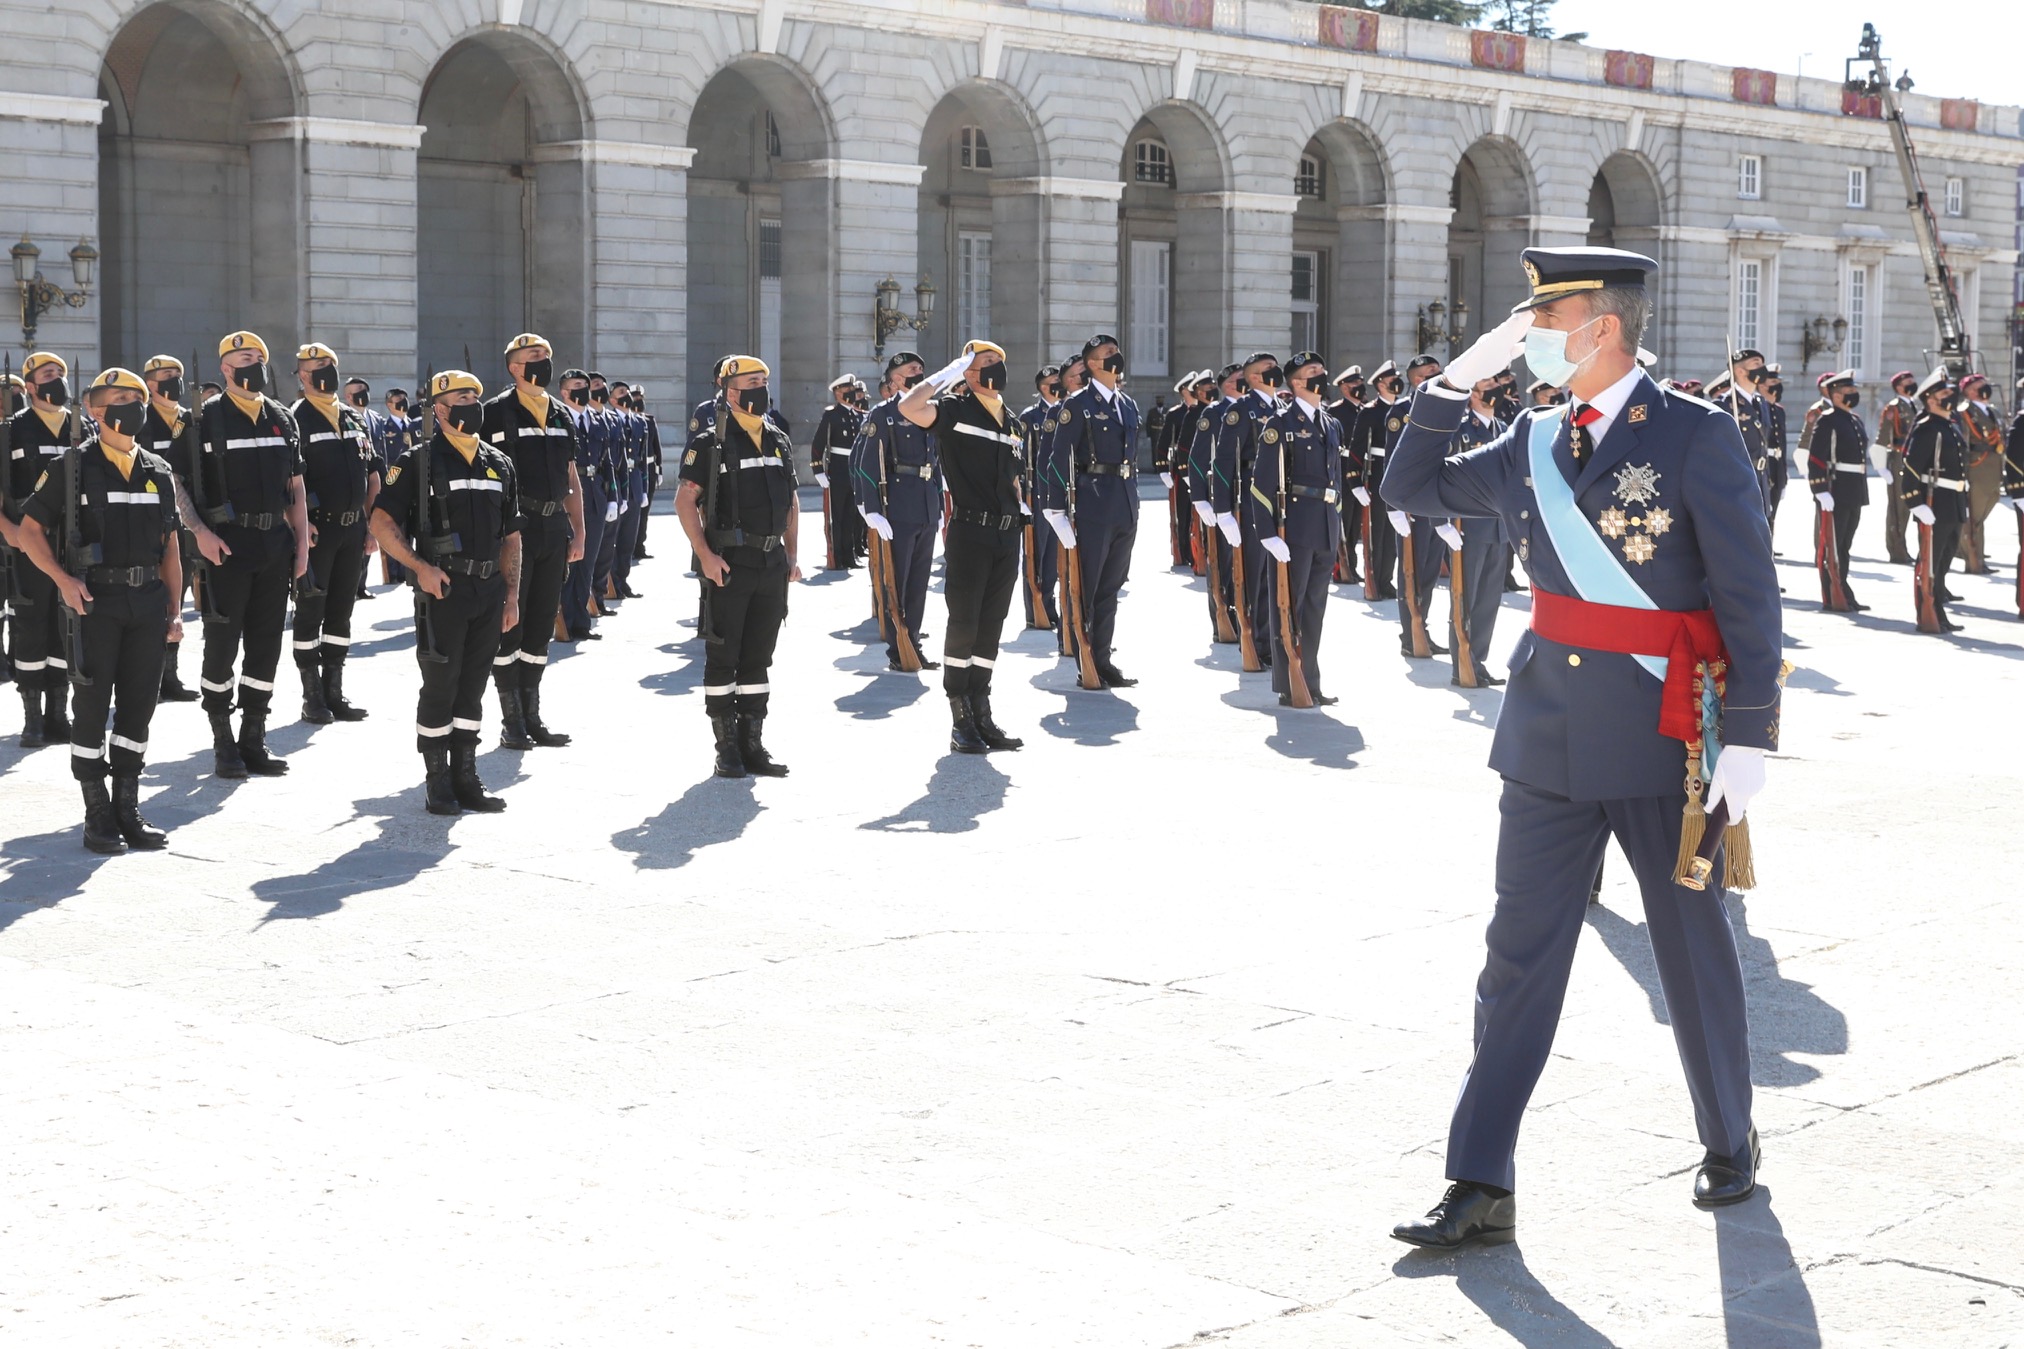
(1858, 189)
(974, 151)
(1306, 301)
(772, 137)
(1151, 273)
(1750, 177)
(1151, 164)
(1957, 197)
(973, 285)
(1308, 181)
(769, 296)
(1855, 355)
(1749, 301)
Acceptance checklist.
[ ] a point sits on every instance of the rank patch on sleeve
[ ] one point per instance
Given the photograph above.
(393, 475)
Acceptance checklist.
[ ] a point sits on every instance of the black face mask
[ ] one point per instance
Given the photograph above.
(1054, 392)
(1946, 403)
(1273, 377)
(910, 381)
(598, 395)
(538, 373)
(1114, 363)
(992, 376)
(400, 408)
(126, 418)
(1390, 388)
(324, 379)
(171, 389)
(55, 392)
(358, 400)
(1758, 376)
(465, 417)
(754, 401)
(580, 397)
(252, 378)
(1315, 384)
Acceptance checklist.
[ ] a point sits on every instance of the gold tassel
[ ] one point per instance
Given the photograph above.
(1741, 871)
(1693, 824)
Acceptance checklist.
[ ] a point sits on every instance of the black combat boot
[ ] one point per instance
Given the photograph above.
(225, 759)
(440, 793)
(173, 688)
(33, 733)
(253, 745)
(987, 729)
(101, 827)
(55, 724)
(315, 710)
(963, 737)
(512, 718)
(752, 748)
(126, 806)
(530, 710)
(333, 692)
(464, 781)
(730, 758)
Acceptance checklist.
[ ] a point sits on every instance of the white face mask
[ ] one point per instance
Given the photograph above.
(1546, 354)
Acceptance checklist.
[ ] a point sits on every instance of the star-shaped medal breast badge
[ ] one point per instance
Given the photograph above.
(1637, 484)
(1612, 522)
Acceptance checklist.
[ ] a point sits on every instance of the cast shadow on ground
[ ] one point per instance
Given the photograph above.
(1503, 1289)
(962, 790)
(883, 694)
(1813, 681)
(1786, 1016)
(43, 870)
(1311, 735)
(1093, 717)
(1765, 1301)
(375, 863)
(683, 679)
(715, 810)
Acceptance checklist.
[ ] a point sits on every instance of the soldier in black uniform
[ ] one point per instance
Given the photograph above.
(829, 458)
(1296, 514)
(465, 561)
(1737, 394)
(166, 420)
(1775, 443)
(737, 505)
(125, 587)
(250, 459)
(1837, 470)
(1205, 482)
(1484, 557)
(12, 400)
(981, 461)
(1935, 482)
(1376, 425)
(534, 431)
(1347, 409)
(342, 474)
(1034, 425)
(38, 435)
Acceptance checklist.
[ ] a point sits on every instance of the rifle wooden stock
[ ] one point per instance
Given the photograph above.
(895, 611)
(1465, 653)
(1289, 638)
(1409, 596)
(875, 569)
(1195, 533)
(1174, 519)
(1370, 580)
(1034, 593)
(1247, 641)
(1072, 612)
(1827, 557)
(1212, 540)
(828, 532)
(1923, 583)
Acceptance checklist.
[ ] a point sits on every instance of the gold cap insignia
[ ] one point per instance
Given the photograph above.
(1532, 273)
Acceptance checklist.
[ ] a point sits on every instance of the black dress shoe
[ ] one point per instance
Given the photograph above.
(1436, 647)
(1113, 677)
(1728, 1180)
(1467, 1215)
(1387, 592)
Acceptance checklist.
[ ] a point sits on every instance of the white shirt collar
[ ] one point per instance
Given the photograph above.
(1313, 410)
(1610, 403)
(1108, 394)
(1482, 417)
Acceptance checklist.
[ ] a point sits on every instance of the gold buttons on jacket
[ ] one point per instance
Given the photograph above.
(1574, 658)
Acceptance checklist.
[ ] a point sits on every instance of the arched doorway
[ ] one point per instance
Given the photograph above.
(1624, 205)
(980, 242)
(503, 233)
(198, 185)
(1173, 246)
(760, 232)
(1492, 203)
(1341, 265)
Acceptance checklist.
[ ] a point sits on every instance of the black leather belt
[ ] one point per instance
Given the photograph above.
(986, 519)
(338, 518)
(915, 470)
(1326, 494)
(120, 576)
(536, 506)
(738, 538)
(1117, 470)
(265, 521)
(468, 566)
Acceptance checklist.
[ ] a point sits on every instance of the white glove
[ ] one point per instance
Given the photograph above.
(1207, 512)
(1400, 521)
(881, 524)
(1739, 776)
(822, 481)
(1923, 513)
(1449, 535)
(1167, 481)
(950, 373)
(1362, 495)
(1025, 509)
(1489, 353)
(1062, 529)
(610, 511)
(624, 506)
(1228, 524)
(1826, 500)
(1276, 546)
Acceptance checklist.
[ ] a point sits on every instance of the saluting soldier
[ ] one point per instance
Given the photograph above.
(1893, 428)
(1837, 471)
(896, 477)
(1091, 463)
(1983, 427)
(1934, 484)
(1648, 544)
(829, 458)
(1377, 426)
(38, 434)
(1035, 421)
(249, 456)
(980, 451)
(1347, 409)
(127, 597)
(1296, 514)
(1482, 557)
(532, 430)
(166, 418)
(342, 476)
(465, 556)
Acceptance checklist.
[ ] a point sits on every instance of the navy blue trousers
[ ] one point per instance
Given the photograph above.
(576, 595)
(913, 554)
(1548, 849)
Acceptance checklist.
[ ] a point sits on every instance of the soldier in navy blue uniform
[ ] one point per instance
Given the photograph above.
(1204, 484)
(653, 466)
(1089, 472)
(829, 459)
(594, 479)
(1416, 535)
(1167, 448)
(1483, 555)
(397, 430)
(1347, 409)
(1934, 481)
(1738, 393)
(1035, 419)
(1775, 442)
(532, 430)
(603, 582)
(1837, 471)
(632, 487)
(358, 396)
(896, 476)
(342, 476)
(1377, 426)
(1237, 435)
(1295, 507)
(1651, 560)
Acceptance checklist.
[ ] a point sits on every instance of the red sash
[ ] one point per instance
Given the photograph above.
(1685, 639)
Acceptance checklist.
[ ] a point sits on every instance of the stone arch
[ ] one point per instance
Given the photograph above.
(198, 184)
(1174, 246)
(502, 239)
(762, 226)
(1493, 200)
(1626, 203)
(1342, 221)
(978, 222)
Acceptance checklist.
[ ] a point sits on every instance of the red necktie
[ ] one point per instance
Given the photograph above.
(1578, 441)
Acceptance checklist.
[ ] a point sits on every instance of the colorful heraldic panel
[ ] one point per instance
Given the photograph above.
(1498, 51)
(1630, 70)
(1861, 105)
(1960, 114)
(1182, 13)
(1352, 30)
(1754, 86)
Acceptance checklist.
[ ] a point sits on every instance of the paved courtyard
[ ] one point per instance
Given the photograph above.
(1143, 1036)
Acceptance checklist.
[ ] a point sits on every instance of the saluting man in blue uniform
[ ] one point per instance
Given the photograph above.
(1638, 513)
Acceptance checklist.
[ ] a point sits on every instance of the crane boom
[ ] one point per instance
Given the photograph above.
(1940, 290)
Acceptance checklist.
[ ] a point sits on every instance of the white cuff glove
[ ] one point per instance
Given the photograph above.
(1400, 522)
(950, 373)
(1362, 495)
(1167, 481)
(1826, 500)
(1739, 776)
(1228, 524)
(1923, 513)
(1489, 353)
(1062, 529)
(881, 524)
(610, 511)
(1025, 509)
(1449, 535)
(822, 481)
(624, 506)
(1207, 512)
(1276, 546)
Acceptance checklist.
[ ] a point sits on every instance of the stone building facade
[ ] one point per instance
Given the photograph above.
(652, 184)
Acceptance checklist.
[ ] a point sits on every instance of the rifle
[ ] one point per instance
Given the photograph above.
(828, 525)
(424, 528)
(195, 450)
(1409, 596)
(1212, 543)
(1072, 613)
(1370, 578)
(1826, 549)
(1247, 640)
(1289, 636)
(1465, 652)
(895, 620)
(78, 557)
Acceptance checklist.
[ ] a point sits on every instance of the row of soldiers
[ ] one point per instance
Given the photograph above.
(115, 512)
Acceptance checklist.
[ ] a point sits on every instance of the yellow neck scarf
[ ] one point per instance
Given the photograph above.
(52, 420)
(325, 404)
(536, 402)
(123, 460)
(993, 404)
(755, 427)
(172, 413)
(250, 404)
(461, 443)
